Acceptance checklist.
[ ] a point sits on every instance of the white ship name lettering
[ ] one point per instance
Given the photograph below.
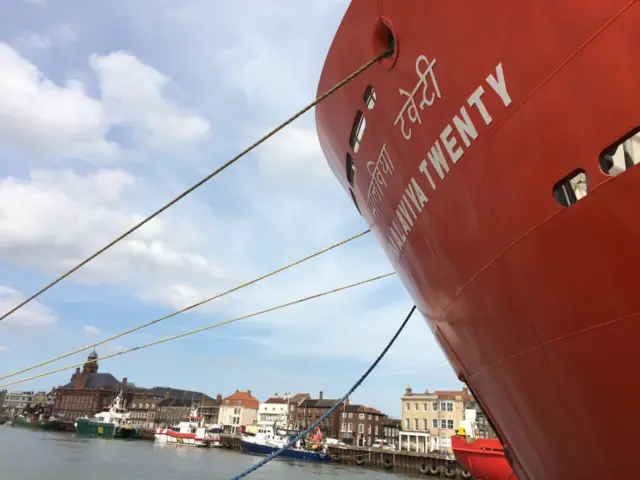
(378, 170)
(410, 105)
(445, 152)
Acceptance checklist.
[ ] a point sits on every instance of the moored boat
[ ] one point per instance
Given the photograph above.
(190, 432)
(112, 423)
(31, 422)
(483, 458)
(494, 153)
(270, 439)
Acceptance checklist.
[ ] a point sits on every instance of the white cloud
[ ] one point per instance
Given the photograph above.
(3, 349)
(54, 219)
(48, 120)
(91, 330)
(133, 92)
(52, 121)
(34, 314)
(294, 152)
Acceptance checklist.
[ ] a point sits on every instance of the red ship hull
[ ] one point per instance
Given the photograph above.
(483, 458)
(530, 294)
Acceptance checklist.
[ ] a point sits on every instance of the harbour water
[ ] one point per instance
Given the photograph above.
(26, 455)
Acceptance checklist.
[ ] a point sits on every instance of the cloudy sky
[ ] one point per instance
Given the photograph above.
(108, 110)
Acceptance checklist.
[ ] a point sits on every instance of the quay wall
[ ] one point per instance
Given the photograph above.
(432, 466)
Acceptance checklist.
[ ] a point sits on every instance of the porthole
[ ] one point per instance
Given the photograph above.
(351, 170)
(571, 188)
(357, 131)
(369, 97)
(622, 155)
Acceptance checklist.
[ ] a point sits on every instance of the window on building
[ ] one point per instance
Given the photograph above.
(344, 415)
(407, 406)
(443, 423)
(450, 424)
(351, 415)
(361, 416)
(435, 406)
(361, 428)
(435, 423)
(415, 424)
(446, 406)
(424, 407)
(350, 427)
(368, 429)
(376, 431)
(425, 426)
(407, 424)
(415, 406)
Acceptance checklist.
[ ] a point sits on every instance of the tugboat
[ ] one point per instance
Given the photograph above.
(483, 458)
(270, 439)
(190, 432)
(31, 422)
(112, 423)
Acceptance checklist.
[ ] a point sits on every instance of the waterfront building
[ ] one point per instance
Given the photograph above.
(430, 418)
(391, 431)
(310, 409)
(274, 409)
(16, 402)
(360, 425)
(89, 391)
(238, 409)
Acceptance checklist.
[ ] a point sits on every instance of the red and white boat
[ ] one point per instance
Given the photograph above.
(483, 458)
(190, 432)
(493, 154)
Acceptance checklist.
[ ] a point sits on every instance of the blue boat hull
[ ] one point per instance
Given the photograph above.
(257, 449)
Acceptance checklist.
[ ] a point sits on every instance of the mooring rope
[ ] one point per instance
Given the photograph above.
(201, 182)
(300, 435)
(183, 310)
(198, 330)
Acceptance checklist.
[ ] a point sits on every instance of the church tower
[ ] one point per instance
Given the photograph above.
(91, 365)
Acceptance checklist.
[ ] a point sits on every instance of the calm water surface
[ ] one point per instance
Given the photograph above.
(29, 455)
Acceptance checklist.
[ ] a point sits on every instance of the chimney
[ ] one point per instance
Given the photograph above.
(124, 381)
(219, 398)
(408, 392)
(320, 396)
(237, 390)
(275, 394)
(465, 390)
(249, 392)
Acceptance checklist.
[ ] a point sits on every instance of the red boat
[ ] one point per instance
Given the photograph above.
(492, 153)
(482, 457)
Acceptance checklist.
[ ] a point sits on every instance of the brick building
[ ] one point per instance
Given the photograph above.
(308, 410)
(361, 425)
(89, 392)
(391, 431)
(208, 407)
(143, 409)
